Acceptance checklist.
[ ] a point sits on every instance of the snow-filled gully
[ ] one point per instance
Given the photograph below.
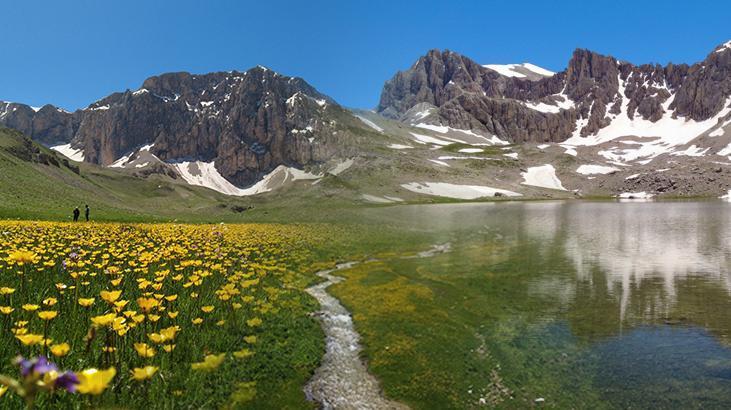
(342, 381)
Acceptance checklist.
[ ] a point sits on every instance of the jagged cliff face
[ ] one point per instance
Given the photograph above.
(248, 123)
(517, 105)
(47, 124)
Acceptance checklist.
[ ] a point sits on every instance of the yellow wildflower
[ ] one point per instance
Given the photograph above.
(143, 350)
(143, 373)
(47, 314)
(60, 350)
(86, 302)
(93, 381)
(110, 296)
(210, 363)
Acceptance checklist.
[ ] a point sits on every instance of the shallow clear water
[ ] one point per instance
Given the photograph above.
(625, 304)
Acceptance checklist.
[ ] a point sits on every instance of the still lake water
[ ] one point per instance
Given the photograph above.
(623, 304)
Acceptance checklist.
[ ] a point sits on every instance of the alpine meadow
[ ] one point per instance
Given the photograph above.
(365, 205)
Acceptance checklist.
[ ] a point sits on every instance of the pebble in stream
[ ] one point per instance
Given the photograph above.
(342, 381)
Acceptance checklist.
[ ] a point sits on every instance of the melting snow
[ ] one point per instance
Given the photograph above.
(513, 155)
(724, 46)
(400, 146)
(634, 195)
(543, 176)
(341, 167)
(494, 140)
(425, 139)
(663, 135)
(70, 153)
(508, 70)
(205, 174)
(438, 162)
(456, 191)
(370, 123)
(692, 151)
(595, 169)
(471, 150)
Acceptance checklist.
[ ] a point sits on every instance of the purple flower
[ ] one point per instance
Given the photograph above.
(67, 381)
(39, 365)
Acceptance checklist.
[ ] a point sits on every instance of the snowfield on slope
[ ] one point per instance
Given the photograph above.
(595, 169)
(659, 137)
(70, 153)
(543, 176)
(205, 174)
(456, 191)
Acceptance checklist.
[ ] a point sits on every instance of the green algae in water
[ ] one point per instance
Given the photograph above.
(580, 304)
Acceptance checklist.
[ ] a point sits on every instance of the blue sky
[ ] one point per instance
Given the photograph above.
(71, 53)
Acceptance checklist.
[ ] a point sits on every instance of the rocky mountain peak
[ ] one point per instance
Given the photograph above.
(586, 97)
(247, 123)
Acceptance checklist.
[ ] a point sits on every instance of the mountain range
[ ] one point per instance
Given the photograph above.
(447, 127)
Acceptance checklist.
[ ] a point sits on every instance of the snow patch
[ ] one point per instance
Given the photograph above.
(205, 174)
(635, 195)
(70, 153)
(543, 176)
(425, 139)
(370, 123)
(438, 162)
(400, 146)
(456, 191)
(509, 70)
(595, 169)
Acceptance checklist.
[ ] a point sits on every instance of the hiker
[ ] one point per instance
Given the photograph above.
(86, 212)
(76, 214)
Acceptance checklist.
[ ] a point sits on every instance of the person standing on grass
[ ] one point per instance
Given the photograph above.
(86, 212)
(76, 214)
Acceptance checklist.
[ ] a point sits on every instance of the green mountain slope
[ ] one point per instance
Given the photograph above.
(36, 182)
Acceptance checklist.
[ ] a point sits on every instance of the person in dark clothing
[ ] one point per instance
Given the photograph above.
(76, 214)
(86, 212)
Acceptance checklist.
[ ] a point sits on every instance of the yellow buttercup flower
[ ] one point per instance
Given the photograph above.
(103, 320)
(30, 339)
(243, 353)
(143, 350)
(6, 291)
(30, 307)
(110, 296)
(250, 339)
(60, 350)
(143, 373)
(3, 389)
(47, 314)
(6, 310)
(93, 381)
(210, 363)
(86, 302)
(197, 321)
(22, 257)
(50, 301)
(147, 304)
(207, 309)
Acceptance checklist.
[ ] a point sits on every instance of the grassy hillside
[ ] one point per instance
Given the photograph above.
(36, 182)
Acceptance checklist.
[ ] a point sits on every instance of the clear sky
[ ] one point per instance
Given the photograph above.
(71, 53)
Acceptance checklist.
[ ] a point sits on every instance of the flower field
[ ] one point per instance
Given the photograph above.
(156, 315)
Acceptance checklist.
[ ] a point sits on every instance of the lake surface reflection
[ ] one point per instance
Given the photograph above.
(626, 304)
